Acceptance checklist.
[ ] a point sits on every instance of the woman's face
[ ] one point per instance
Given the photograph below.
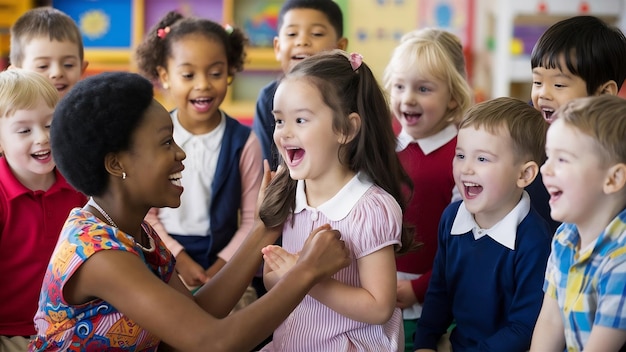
(153, 164)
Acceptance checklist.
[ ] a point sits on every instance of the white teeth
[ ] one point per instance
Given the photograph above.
(470, 184)
(547, 110)
(41, 153)
(175, 178)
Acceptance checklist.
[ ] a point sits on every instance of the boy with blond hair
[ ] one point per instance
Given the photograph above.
(585, 174)
(34, 200)
(305, 28)
(47, 41)
(492, 245)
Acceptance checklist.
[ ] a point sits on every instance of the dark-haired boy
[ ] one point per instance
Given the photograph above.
(576, 57)
(305, 28)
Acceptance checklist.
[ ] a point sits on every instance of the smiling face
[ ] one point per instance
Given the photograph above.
(59, 61)
(304, 32)
(553, 87)
(420, 102)
(25, 143)
(486, 172)
(154, 161)
(197, 74)
(573, 174)
(304, 132)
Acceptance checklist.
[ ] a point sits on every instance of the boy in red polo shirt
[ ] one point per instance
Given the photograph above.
(35, 200)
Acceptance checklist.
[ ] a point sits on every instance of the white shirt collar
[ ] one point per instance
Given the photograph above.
(182, 136)
(504, 232)
(428, 144)
(340, 205)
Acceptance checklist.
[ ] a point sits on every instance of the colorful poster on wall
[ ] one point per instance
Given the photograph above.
(103, 24)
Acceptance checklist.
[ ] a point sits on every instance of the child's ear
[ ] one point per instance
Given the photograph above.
(342, 43)
(616, 178)
(529, 171)
(163, 76)
(609, 87)
(84, 67)
(355, 122)
(276, 48)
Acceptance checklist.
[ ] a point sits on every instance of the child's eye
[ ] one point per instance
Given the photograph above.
(460, 156)
(300, 120)
(482, 159)
(23, 131)
(278, 122)
(424, 89)
(42, 67)
(217, 74)
(291, 34)
(319, 34)
(398, 86)
(536, 83)
(558, 85)
(187, 75)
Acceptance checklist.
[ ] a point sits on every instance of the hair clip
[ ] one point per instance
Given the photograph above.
(355, 60)
(229, 29)
(162, 32)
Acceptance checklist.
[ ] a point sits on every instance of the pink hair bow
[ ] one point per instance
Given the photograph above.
(162, 32)
(356, 60)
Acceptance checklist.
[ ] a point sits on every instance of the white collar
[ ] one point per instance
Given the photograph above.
(428, 144)
(181, 135)
(340, 205)
(504, 232)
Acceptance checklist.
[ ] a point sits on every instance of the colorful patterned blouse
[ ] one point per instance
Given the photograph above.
(96, 325)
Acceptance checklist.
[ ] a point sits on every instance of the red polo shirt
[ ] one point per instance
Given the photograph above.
(30, 224)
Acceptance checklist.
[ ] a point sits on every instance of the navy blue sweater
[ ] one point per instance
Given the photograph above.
(493, 293)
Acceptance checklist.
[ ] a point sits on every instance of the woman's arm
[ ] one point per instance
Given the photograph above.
(123, 280)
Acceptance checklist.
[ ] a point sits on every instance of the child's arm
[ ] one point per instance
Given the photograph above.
(549, 332)
(375, 300)
(603, 338)
(192, 273)
(251, 171)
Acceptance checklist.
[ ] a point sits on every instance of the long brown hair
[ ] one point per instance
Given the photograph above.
(371, 151)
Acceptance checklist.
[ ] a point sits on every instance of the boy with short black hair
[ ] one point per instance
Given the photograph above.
(48, 41)
(584, 304)
(305, 28)
(34, 200)
(577, 57)
(492, 245)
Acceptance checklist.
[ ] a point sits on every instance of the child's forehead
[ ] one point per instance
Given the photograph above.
(306, 16)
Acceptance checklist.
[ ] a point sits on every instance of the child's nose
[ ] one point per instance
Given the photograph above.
(56, 70)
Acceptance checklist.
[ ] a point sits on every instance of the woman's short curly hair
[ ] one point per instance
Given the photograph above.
(98, 116)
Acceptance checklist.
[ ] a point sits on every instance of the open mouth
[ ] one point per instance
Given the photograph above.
(472, 190)
(555, 195)
(175, 179)
(295, 154)
(547, 114)
(411, 117)
(42, 155)
(202, 103)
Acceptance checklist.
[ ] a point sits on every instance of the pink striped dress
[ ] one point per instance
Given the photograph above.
(369, 219)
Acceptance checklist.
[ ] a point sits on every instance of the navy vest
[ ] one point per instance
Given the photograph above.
(226, 187)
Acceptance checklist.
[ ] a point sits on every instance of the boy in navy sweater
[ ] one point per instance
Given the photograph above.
(493, 246)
